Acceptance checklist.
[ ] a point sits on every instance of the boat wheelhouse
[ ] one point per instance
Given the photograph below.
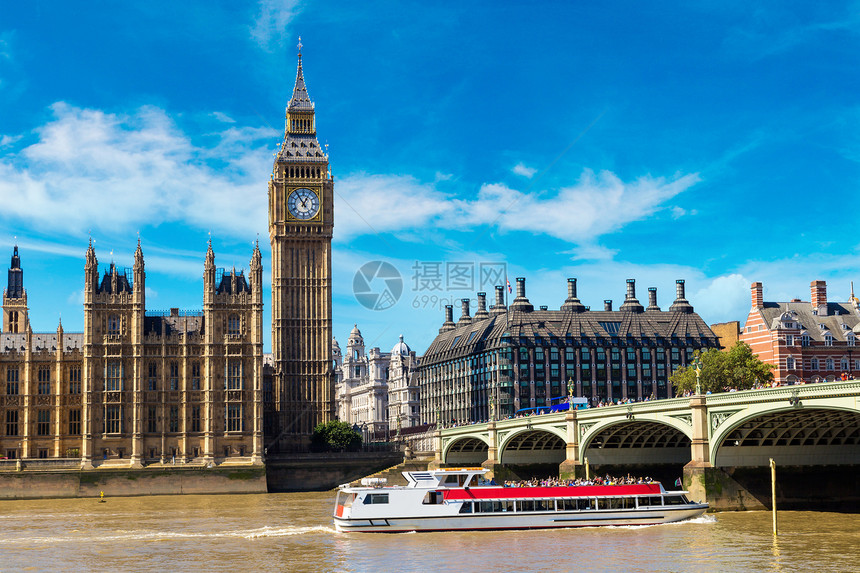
(456, 499)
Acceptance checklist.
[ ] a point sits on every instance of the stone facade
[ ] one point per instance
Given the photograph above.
(301, 219)
(508, 358)
(812, 341)
(139, 387)
(376, 391)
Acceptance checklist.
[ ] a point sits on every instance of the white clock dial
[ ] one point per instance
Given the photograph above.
(303, 204)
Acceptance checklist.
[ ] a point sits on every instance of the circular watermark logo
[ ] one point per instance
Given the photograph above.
(377, 285)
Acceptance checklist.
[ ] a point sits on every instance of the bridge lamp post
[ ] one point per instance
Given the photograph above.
(697, 364)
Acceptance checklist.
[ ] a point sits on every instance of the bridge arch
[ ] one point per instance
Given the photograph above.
(621, 442)
(791, 435)
(537, 445)
(470, 449)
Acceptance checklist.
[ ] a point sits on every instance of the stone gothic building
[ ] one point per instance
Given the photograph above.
(137, 387)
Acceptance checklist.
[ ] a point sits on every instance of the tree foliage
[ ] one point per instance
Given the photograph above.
(738, 368)
(335, 436)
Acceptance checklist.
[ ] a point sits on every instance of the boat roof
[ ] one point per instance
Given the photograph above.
(432, 478)
(487, 493)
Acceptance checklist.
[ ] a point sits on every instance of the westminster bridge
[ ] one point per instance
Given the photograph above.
(722, 443)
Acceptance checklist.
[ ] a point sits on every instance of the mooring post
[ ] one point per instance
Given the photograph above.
(773, 492)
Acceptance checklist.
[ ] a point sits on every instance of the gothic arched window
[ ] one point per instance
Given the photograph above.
(233, 324)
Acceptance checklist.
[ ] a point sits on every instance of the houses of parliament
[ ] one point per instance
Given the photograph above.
(138, 387)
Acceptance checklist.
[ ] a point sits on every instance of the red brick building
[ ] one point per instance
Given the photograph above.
(805, 341)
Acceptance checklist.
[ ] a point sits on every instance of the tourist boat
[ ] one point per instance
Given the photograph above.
(457, 499)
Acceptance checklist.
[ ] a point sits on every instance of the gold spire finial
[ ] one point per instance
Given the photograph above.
(299, 45)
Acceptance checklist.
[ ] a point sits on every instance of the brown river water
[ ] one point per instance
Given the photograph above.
(294, 532)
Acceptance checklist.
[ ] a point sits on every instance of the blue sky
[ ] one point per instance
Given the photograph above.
(715, 142)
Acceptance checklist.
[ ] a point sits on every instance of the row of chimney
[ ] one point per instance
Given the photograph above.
(571, 304)
(817, 296)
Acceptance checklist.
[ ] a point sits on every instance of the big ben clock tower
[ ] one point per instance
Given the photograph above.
(301, 217)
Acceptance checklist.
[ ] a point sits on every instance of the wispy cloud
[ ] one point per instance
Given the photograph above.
(597, 204)
(7, 140)
(94, 170)
(521, 169)
(270, 25)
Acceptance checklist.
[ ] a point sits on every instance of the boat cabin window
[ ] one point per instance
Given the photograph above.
(433, 498)
(573, 504)
(375, 498)
(491, 506)
(348, 499)
(525, 505)
(455, 480)
(653, 500)
(675, 500)
(466, 507)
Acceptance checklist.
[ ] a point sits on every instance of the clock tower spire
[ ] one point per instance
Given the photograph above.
(301, 219)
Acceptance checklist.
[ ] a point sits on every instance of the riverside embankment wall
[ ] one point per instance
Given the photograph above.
(36, 484)
(320, 472)
(301, 472)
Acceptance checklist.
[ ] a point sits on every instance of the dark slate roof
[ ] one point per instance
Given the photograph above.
(301, 148)
(41, 341)
(173, 324)
(15, 284)
(802, 313)
(566, 328)
(229, 287)
(122, 283)
(300, 101)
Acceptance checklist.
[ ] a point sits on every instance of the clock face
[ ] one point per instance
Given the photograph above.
(303, 204)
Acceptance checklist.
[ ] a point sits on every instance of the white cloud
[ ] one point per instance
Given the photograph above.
(223, 117)
(7, 140)
(594, 206)
(94, 170)
(592, 252)
(270, 25)
(725, 298)
(367, 204)
(521, 169)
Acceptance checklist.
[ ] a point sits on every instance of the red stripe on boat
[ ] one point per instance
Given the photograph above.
(545, 492)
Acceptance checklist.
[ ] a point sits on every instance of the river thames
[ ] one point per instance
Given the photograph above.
(294, 532)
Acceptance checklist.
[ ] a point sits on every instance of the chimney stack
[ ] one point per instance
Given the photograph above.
(499, 307)
(482, 307)
(630, 303)
(681, 304)
(756, 292)
(607, 305)
(572, 303)
(652, 299)
(818, 292)
(521, 303)
(449, 319)
(464, 318)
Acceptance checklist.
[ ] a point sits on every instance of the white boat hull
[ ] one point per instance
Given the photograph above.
(525, 520)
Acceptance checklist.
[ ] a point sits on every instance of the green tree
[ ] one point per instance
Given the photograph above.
(335, 436)
(738, 368)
